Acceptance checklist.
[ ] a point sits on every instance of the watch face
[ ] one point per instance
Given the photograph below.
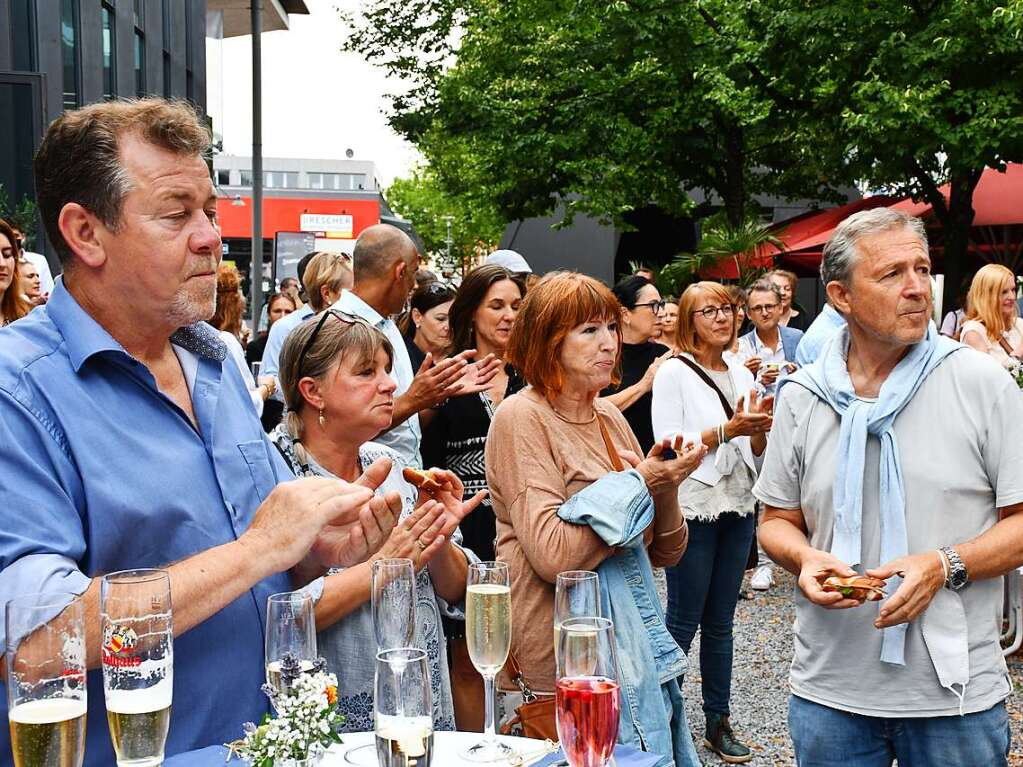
(958, 578)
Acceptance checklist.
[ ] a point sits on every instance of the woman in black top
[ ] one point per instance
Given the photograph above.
(481, 318)
(427, 331)
(642, 308)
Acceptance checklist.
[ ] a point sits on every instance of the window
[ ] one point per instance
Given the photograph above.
(290, 180)
(246, 177)
(223, 178)
(268, 180)
(109, 51)
(23, 35)
(140, 63)
(316, 180)
(352, 181)
(165, 18)
(69, 51)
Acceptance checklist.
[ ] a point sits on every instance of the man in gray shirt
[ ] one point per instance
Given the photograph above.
(895, 454)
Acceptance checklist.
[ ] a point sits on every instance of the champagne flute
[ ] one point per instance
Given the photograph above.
(576, 595)
(393, 602)
(488, 636)
(290, 631)
(403, 708)
(138, 663)
(46, 679)
(587, 692)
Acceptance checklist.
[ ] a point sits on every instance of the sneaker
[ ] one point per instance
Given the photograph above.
(763, 578)
(722, 741)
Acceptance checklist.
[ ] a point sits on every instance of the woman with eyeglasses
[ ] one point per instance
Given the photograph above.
(714, 402)
(641, 356)
(426, 330)
(334, 375)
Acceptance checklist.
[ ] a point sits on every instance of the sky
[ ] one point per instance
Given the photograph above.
(317, 101)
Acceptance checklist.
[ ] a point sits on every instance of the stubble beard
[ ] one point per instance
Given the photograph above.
(192, 305)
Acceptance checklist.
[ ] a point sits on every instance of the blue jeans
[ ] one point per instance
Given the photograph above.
(703, 589)
(825, 737)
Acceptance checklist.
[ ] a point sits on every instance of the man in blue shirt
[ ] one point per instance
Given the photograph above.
(129, 443)
(821, 330)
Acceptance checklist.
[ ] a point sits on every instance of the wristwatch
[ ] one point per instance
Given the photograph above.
(957, 575)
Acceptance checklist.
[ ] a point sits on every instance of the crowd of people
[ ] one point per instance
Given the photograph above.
(571, 426)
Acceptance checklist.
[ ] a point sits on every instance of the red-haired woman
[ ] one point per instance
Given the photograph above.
(13, 305)
(571, 492)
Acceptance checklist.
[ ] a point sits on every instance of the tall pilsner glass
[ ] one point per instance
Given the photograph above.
(46, 679)
(290, 630)
(576, 595)
(403, 708)
(138, 663)
(488, 625)
(588, 698)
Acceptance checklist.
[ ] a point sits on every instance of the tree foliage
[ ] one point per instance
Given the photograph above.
(421, 199)
(612, 105)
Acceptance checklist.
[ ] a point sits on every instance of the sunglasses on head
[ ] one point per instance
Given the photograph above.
(345, 317)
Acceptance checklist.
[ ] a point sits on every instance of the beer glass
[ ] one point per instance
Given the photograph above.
(587, 691)
(290, 630)
(576, 595)
(46, 679)
(403, 708)
(138, 663)
(488, 636)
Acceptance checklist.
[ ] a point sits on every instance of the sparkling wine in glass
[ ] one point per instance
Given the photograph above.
(403, 708)
(138, 663)
(488, 623)
(576, 595)
(290, 630)
(588, 698)
(46, 697)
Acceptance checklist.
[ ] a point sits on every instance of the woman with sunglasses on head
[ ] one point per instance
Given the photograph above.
(334, 375)
(715, 403)
(641, 356)
(481, 317)
(427, 331)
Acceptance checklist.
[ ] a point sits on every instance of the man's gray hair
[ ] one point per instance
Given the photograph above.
(764, 285)
(842, 250)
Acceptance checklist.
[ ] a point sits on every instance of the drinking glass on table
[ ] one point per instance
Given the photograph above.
(45, 661)
(403, 708)
(587, 692)
(138, 663)
(488, 636)
(576, 595)
(290, 630)
(393, 603)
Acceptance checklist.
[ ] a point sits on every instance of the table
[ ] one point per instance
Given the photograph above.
(446, 748)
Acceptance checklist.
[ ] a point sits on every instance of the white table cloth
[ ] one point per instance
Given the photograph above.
(447, 747)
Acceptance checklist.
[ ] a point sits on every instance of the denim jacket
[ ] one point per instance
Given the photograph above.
(618, 508)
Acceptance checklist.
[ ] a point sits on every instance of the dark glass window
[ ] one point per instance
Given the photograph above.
(139, 10)
(165, 19)
(23, 35)
(223, 178)
(69, 53)
(109, 51)
(140, 64)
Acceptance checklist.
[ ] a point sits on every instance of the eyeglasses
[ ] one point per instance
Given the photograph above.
(711, 312)
(345, 317)
(763, 308)
(656, 306)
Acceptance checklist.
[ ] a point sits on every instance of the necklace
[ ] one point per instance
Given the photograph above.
(563, 417)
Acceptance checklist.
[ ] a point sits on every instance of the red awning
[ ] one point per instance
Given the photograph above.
(997, 200)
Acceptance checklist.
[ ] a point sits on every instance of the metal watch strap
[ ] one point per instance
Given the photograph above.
(957, 575)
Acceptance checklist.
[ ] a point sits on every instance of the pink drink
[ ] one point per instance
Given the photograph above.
(587, 719)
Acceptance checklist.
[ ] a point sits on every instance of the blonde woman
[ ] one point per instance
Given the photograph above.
(993, 325)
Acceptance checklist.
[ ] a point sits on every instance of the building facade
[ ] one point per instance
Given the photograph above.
(63, 54)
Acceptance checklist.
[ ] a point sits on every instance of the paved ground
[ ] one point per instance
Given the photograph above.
(763, 649)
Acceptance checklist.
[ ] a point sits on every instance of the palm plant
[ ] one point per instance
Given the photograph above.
(744, 243)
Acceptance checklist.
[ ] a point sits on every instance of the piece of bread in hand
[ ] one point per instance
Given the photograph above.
(862, 588)
(423, 479)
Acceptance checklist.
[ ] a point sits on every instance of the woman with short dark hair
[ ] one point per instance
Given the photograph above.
(426, 329)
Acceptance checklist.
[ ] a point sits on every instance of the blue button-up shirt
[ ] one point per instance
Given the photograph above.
(100, 471)
(820, 331)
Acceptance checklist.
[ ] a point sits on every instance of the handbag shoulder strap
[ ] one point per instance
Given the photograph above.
(709, 381)
(612, 453)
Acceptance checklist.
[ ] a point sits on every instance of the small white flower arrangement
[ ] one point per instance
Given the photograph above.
(307, 721)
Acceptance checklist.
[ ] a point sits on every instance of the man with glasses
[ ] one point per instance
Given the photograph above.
(768, 351)
(386, 262)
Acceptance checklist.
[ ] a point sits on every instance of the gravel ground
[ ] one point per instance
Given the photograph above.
(763, 650)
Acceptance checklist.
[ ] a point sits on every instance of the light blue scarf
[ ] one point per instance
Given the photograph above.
(828, 378)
